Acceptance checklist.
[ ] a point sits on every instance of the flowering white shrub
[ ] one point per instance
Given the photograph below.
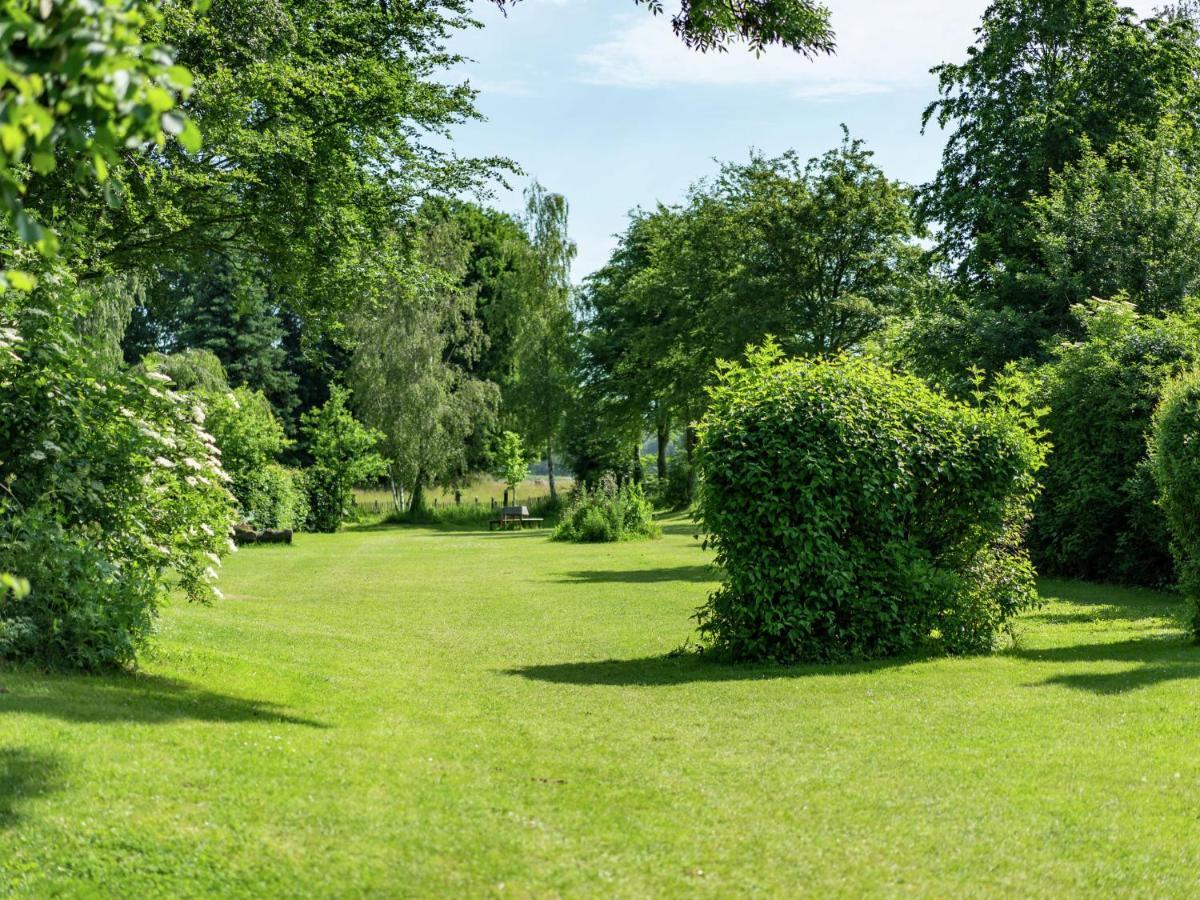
(110, 493)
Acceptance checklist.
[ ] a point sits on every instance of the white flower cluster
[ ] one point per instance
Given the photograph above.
(9, 338)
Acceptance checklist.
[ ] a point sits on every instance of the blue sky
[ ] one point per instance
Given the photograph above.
(599, 101)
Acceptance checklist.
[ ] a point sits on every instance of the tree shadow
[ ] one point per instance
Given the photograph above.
(687, 668)
(699, 574)
(1150, 661)
(24, 775)
(136, 698)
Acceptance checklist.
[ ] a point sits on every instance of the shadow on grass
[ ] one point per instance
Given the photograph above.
(686, 668)
(1160, 657)
(141, 699)
(698, 574)
(1150, 661)
(24, 775)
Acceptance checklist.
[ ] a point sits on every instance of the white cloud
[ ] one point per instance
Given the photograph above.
(883, 45)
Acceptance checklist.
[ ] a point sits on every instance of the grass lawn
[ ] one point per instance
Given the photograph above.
(414, 712)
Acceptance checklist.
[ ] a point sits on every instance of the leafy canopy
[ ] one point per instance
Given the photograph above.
(800, 25)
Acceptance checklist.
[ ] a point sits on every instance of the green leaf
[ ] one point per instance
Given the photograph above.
(22, 281)
(190, 136)
(43, 162)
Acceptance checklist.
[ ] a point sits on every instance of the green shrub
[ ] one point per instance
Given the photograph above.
(275, 497)
(608, 512)
(1175, 462)
(191, 370)
(110, 493)
(857, 513)
(343, 452)
(1097, 517)
(250, 437)
(327, 501)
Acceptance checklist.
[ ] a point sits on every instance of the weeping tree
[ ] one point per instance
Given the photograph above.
(540, 378)
(407, 372)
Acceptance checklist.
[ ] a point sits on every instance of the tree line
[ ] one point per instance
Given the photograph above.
(250, 183)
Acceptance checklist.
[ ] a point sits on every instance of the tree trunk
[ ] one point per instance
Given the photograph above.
(397, 492)
(664, 439)
(690, 442)
(417, 504)
(550, 469)
(638, 474)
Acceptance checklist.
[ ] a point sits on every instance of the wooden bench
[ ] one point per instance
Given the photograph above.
(514, 517)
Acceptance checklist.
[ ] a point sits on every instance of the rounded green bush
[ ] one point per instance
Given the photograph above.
(1175, 462)
(856, 513)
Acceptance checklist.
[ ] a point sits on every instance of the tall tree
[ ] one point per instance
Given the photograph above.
(501, 266)
(537, 388)
(818, 253)
(629, 330)
(1046, 81)
(224, 307)
(406, 378)
(312, 113)
(1123, 224)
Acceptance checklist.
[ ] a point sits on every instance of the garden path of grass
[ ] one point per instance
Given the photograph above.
(415, 712)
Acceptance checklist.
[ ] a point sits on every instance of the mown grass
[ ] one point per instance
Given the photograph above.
(431, 713)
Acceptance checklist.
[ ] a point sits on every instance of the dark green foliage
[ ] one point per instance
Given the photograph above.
(498, 265)
(223, 308)
(1175, 463)
(1047, 83)
(592, 447)
(857, 513)
(1097, 517)
(250, 438)
(327, 500)
(679, 484)
(607, 512)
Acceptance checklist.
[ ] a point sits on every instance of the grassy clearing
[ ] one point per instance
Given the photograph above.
(418, 712)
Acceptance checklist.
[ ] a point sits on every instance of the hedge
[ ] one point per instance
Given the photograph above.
(856, 513)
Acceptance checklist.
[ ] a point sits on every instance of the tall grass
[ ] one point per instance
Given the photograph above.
(474, 515)
(487, 494)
